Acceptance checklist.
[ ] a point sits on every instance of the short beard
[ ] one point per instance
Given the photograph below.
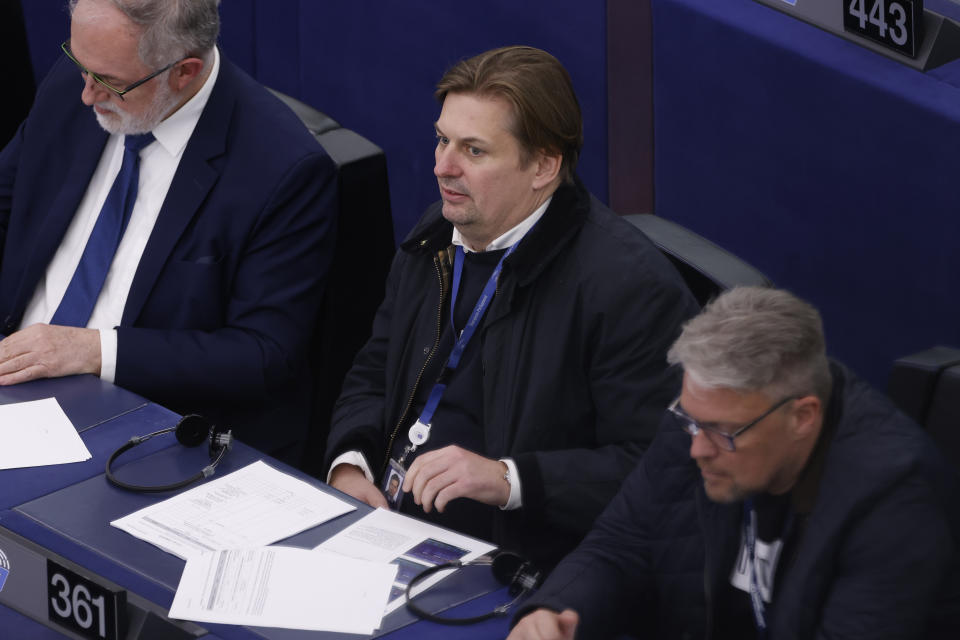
(123, 123)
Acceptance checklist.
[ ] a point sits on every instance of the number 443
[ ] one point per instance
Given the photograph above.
(878, 14)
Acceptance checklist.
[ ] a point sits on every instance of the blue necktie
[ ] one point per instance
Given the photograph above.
(88, 279)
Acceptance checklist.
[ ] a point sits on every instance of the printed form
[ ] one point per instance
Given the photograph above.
(251, 507)
(284, 587)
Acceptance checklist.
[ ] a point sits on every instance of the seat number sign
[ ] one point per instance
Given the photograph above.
(83, 606)
(896, 24)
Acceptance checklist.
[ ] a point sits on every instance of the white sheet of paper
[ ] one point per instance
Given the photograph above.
(284, 587)
(413, 545)
(38, 433)
(251, 507)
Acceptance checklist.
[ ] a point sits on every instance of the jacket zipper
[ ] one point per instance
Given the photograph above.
(416, 384)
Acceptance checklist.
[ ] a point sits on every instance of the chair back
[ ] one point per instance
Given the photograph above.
(706, 268)
(355, 283)
(926, 386)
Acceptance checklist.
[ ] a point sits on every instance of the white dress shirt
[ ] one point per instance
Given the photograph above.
(158, 164)
(504, 241)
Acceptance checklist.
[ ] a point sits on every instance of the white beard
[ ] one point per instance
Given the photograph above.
(120, 122)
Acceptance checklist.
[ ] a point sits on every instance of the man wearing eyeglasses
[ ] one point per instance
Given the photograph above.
(165, 223)
(782, 498)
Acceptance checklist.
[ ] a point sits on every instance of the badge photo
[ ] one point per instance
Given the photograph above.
(393, 485)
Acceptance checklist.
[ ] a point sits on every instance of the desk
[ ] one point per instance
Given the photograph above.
(67, 513)
(105, 416)
(827, 166)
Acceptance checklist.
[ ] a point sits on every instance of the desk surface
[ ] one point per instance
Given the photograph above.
(827, 166)
(66, 510)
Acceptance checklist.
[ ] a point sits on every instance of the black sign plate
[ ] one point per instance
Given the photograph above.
(896, 24)
(83, 606)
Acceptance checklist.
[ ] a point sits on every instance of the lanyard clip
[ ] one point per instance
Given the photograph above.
(418, 433)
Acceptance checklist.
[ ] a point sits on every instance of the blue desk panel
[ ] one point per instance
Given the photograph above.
(829, 167)
(19, 627)
(20, 485)
(87, 400)
(74, 523)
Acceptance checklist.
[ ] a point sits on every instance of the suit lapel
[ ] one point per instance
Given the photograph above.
(85, 151)
(195, 177)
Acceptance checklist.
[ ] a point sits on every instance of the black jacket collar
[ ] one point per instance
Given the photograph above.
(808, 485)
(562, 220)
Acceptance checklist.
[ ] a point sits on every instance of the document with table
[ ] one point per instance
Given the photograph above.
(251, 507)
(284, 587)
(66, 535)
(346, 584)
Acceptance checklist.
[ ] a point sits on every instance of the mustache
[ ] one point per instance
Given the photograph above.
(106, 106)
(453, 186)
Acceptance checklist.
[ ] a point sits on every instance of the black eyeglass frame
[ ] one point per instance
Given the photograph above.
(65, 47)
(692, 427)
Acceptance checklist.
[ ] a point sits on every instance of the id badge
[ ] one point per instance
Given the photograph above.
(393, 484)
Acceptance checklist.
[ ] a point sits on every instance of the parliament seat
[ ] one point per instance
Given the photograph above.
(706, 268)
(926, 386)
(362, 256)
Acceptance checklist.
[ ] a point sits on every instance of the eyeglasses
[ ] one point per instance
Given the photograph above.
(106, 85)
(718, 437)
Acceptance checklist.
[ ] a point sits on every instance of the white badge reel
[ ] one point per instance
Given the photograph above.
(419, 433)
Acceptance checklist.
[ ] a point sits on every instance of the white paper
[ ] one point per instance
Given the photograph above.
(411, 544)
(38, 433)
(251, 507)
(284, 587)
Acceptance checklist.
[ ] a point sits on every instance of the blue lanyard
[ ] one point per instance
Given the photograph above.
(750, 535)
(420, 431)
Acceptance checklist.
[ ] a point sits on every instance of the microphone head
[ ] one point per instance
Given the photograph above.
(192, 430)
(514, 571)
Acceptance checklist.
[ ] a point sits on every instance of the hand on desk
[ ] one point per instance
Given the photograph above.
(437, 477)
(350, 479)
(544, 624)
(48, 351)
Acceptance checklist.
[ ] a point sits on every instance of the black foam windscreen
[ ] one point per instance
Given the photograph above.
(514, 571)
(192, 430)
(505, 566)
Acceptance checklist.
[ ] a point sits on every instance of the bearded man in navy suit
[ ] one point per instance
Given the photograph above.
(211, 295)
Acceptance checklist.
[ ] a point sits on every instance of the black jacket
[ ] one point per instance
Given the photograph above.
(573, 353)
(872, 554)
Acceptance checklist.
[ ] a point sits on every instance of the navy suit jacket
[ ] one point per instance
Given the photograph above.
(224, 300)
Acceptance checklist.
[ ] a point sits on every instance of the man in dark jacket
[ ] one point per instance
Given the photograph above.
(517, 367)
(782, 498)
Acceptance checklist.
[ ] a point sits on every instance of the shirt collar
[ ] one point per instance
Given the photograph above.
(512, 236)
(174, 132)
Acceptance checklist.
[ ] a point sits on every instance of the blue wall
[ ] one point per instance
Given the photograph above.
(372, 66)
(830, 168)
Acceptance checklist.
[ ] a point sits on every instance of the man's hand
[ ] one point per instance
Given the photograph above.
(349, 478)
(48, 351)
(544, 624)
(437, 477)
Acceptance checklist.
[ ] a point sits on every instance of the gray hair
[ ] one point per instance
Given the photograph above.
(172, 29)
(756, 339)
